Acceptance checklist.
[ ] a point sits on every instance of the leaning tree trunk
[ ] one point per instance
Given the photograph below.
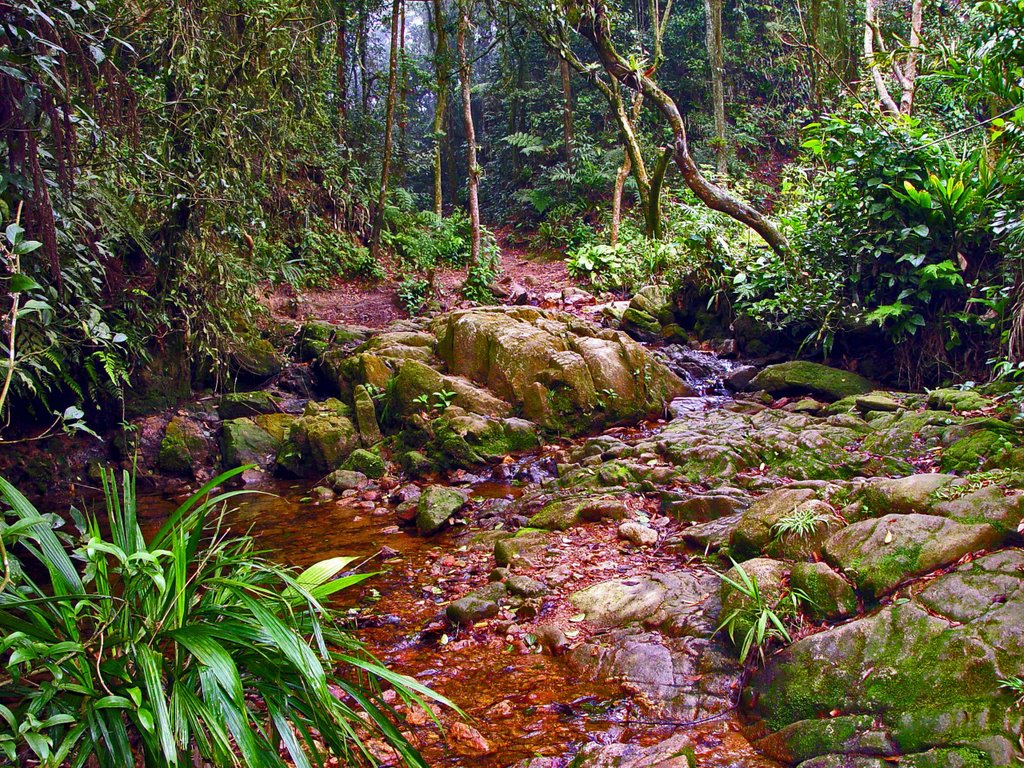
(870, 30)
(473, 170)
(598, 31)
(389, 125)
(713, 37)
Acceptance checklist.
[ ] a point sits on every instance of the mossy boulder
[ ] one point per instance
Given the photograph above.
(366, 416)
(464, 439)
(553, 366)
(640, 325)
(819, 380)
(879, 554)
(186, 447)
(366, 462)
(319, 440)
(926, 670)
(755, 529)
(437, 503)
(415, 463)
(830, 595)
(564, 513)
(528, 547)
(961, 400)
(468, 610)
(897, 495)
(344, 371)
(254, 357)
(236, 405)
(244, 442)
(417, 380)
(992, 447)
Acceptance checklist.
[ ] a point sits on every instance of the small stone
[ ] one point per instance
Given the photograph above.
(639, 534)
(346, 480)
(524, 586)
(469, 610)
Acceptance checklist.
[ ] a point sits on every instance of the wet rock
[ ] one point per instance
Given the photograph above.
(879, 554)
(237, 405)
(678, 603)
(830, 595)
(925, 670)
(436, 504)
(739, 377)
(243, 442)
(468, 610)
(366, 462)
(552, 639)
(467, 740)
(322, 493)
(415, 463)
(346, 479)
(524, 586)
(675, 752)
(638, 534)
(366, 416)
(682, 677)
(187, 447)
(813, 378)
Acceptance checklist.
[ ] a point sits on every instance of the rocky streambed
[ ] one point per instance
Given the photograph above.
(553, 507)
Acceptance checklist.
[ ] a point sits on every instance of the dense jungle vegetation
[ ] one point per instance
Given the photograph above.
(162, 163)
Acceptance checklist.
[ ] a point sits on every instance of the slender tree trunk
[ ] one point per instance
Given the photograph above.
(473, 170)
(567, 129)
(620, 184)
(909, 79)
(870, 30)
(403, 99)
(389, 124)
(441, 68)
(341, 54)
(364, 59)
(713, 38)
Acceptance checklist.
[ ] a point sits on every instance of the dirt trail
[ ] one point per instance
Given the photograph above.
(376, 305)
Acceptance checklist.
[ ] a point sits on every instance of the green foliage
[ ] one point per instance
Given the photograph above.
(801, 522)
(414, 293)
(188, 645)
(324, 252)
(425, 240)
(1016, 687)
(764, 622)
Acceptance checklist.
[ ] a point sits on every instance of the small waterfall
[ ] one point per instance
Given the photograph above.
(704, 372)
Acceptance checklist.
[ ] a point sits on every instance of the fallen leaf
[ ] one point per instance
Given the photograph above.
(578, 618)
(888, 537)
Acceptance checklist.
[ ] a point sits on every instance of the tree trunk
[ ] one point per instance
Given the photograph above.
(567, 131)
(389, 124)
(341, 54)
(441, 65)
(598, 31)
(909, 79)
(473, 171)
(713, 38)
(870, 30)
(620, 183)
(403, 98)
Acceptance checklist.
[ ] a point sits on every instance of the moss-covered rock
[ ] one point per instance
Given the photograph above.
(957, 400)
(185, 448)
(319, 440)
(463, 439)
(755, 529)
(366, 462)
(563, 513)
(437, 503)
(415, 463)
(528, 547)
(243, 442)
(639, 324)
(879, 554)
(366, 416)
(830, 596)
(995, 446)
(769, 576)
(237, 405)
(255, 357)
(554, 367)
(926, 670)
(813, 378)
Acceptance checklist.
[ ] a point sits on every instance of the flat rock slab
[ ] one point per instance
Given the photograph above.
(677, 603)
(879, 554)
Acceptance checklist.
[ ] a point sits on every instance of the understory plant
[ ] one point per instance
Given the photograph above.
(186, 648)
(758, 621)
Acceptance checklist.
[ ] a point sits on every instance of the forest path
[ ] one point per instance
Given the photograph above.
(376, 304)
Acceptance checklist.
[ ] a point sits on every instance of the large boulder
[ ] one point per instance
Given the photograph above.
(800, 376)
(319, 440)
(921, 674)
(554, 367)
(436, 504)
(243, 441)
(187, 447)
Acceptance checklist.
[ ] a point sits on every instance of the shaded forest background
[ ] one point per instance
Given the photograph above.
(835, 179)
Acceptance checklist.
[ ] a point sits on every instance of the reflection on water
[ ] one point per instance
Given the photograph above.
(523, 704)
